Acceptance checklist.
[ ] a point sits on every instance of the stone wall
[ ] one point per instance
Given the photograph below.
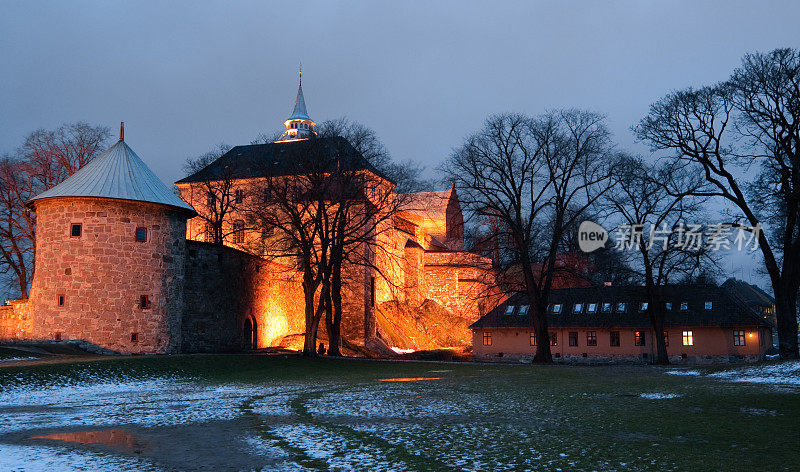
(462, 282)
(90, 287)
(225, 288)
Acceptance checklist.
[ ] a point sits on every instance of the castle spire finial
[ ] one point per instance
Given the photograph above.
(121, 130)
(301, 73)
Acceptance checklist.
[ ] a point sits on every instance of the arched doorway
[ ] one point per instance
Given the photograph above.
(250, 334)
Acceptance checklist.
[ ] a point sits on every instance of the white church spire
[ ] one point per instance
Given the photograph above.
(299, 125)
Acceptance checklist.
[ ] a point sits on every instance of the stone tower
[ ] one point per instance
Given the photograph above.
(110, 250)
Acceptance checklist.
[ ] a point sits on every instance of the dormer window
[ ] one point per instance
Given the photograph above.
(668, 305)
(684, 306)
(592, 308)
(606, 308)
(621, 307)
(523, 310)
(643, 306)
(577, 308)
(557, 308)
(510, 310)
(709, 305)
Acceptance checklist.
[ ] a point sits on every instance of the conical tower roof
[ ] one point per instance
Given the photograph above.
(300, 112)
(116, 173)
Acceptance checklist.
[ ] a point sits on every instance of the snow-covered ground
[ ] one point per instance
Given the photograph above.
(782, 373)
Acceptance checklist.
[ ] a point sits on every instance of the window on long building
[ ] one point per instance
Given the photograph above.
(487, 338)
(666, 338)
(638, 338)
(553, 338)
(738, 338)
(688, 338)
(614, 338)
(533, 338)
(573, 338)
(591, 338)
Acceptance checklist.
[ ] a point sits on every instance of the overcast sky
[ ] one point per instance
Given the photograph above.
(185, 76)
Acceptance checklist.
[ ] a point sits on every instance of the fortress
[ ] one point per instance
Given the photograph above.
(124, 264)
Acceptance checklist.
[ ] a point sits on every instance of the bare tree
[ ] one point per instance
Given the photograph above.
(532, 178)
(44, 160)
(217, 194)
(653, 204)
(753, 119)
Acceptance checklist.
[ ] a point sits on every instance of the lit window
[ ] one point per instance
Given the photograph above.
(684, 306)
(643, 306)
(557, 308)
(238, 196)
(688, 338)
(141, 234)
(738, 338)
(144, 302)
(638, 338)
(621, 307)
(666, 338)
(553, 338)
(523, 310)
(533, 338)
(487, 338)
(592, 308)
(668, 305)
(709, 305)
(591, 338)
(238, 232)
(573, 338)
(75, 231)
(510, 310)
(577, 308)
(614, 338)
(606, 308)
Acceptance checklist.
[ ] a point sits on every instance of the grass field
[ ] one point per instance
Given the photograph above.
(240, 412)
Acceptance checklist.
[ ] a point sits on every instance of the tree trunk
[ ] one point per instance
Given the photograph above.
(310, 337)
(786, 318)
(657, 322)
(543, 354)
(334, 322)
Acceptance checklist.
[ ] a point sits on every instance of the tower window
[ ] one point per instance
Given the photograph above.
(238, 232)
(75, 232)
(141, 234)
(144, 302)
(134, 337)
(61, 299)
(57, 337)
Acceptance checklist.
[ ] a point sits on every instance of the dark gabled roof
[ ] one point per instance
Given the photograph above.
(283, 158)
(726, 310)
(749, 293)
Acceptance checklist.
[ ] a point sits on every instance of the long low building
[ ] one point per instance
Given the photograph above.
(703, 323)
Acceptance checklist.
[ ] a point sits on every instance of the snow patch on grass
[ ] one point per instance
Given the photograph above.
(47, 459)
(784, 373)
(659, 396)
